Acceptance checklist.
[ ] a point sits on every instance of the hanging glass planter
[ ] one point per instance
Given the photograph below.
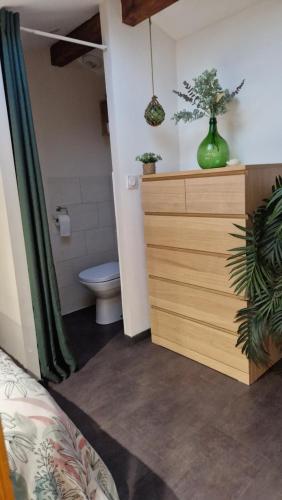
(154, 113)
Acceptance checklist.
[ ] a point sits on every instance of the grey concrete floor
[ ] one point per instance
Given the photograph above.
(169, 428)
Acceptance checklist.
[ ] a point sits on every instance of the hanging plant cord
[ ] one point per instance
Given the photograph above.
(151, 52)
(154, 113)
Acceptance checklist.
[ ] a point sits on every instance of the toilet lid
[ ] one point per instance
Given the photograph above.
(97, 274)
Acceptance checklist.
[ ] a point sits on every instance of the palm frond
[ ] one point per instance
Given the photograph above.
(276, 327)
(256, 269)
(252, 335)
(267, 304)
(246, 273)
(271, 245)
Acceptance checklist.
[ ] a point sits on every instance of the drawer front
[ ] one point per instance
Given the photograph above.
(206, 270)
(210, 234)
(196, 303)
(164, 196)
(204, 340)
(216, 195)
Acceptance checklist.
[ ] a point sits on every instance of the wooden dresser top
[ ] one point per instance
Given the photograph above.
(198, 172)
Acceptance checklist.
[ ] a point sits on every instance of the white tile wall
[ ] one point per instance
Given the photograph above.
(98, 188)
(63, 191)
(68, 248)
(89, 201)
(106, 213)
(75, 297)
(100, 240)
(83, 216)
(64, 271)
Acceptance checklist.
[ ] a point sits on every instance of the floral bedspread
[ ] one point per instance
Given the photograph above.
(48, 456)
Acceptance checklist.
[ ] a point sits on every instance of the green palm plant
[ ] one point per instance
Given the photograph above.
(256, 269)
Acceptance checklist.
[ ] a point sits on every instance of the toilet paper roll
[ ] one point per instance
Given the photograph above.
(64, 225)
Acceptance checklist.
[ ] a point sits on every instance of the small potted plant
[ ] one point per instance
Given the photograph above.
(149, 161)
(209, 99)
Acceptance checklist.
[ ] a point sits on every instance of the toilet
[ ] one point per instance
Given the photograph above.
(104, 282)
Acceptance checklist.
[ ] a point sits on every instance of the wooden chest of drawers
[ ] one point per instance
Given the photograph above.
(188, 220)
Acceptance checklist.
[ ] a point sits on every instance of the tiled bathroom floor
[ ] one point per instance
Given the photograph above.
(85, 336)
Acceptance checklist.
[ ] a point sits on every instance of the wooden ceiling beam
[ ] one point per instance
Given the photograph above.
(136, 11)
(63, 53)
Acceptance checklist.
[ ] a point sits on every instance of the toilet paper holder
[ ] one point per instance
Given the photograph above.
(60, 210)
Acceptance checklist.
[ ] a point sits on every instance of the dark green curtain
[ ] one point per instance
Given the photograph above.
(56, 359)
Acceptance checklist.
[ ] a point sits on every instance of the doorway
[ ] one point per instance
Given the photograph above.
(70, 119)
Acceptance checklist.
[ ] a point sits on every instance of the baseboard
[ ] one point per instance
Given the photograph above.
(140, 336)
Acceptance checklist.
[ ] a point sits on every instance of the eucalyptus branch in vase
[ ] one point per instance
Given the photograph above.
(208, 98)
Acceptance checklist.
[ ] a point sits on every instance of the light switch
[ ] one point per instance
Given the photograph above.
(132, 182)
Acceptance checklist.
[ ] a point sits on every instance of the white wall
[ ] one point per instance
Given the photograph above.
(76, 166)
(17, 330)
(247, 45)
(128, 80)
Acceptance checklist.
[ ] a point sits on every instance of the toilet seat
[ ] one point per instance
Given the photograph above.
(99, 274)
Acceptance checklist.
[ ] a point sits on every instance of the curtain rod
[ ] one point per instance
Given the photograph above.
(64, 38)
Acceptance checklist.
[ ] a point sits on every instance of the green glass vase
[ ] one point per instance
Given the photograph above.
(213, 151)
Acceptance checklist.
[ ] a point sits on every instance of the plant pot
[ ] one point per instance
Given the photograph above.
(213, 151)
(149, 168)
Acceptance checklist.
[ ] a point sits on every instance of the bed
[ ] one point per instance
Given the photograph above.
(49, 458)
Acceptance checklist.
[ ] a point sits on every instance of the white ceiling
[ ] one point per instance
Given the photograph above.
(50, 15)
(188, 16)
(179, 20)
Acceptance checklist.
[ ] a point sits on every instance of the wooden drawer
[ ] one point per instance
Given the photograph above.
(202, 343)
(203, 339)
(206, 270)
(216, 195)
(164, 196)
(210, 234)
(196, 303)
